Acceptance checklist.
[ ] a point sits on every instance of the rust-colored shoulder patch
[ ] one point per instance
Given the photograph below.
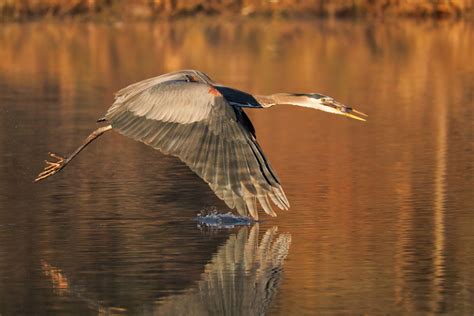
(214, 91)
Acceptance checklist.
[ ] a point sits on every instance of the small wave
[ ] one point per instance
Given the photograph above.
(214, 219)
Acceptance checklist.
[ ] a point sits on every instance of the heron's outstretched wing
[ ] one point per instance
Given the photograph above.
(129, 92)
(193, 121)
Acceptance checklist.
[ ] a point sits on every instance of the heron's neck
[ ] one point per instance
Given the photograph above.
(284, 98)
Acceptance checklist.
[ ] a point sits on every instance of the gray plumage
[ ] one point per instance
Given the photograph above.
(183, 115)
(187, 115)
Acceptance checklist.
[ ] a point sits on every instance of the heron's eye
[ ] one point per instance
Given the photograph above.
(191, 78)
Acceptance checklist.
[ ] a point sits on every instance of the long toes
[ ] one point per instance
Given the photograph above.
(51, 164)
(43, 174)
(41, 178)
(47, 172)
(51, 167)
(59, 158)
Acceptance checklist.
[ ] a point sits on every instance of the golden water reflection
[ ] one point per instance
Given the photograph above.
(381, 217)
(242, 279)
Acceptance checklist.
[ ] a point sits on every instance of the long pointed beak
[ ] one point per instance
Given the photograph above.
(349, 114)
(348, 111)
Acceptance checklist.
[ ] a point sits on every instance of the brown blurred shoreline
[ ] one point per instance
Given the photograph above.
(25, 10)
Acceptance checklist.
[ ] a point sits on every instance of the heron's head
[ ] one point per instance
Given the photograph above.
(327, 104)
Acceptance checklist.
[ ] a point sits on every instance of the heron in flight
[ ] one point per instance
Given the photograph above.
(188, 115)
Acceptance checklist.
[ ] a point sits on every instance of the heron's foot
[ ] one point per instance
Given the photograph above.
(51, 167)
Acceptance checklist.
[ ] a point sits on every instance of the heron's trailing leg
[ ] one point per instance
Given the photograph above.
(53, 167)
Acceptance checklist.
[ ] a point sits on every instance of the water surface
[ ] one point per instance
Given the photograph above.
(381, 218)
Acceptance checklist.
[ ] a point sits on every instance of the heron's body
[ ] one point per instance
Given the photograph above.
(187, 115)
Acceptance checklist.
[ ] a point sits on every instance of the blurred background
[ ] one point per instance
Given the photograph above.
(18, 9)
(381, 218)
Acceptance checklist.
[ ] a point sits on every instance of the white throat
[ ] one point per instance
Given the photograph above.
(317, 105)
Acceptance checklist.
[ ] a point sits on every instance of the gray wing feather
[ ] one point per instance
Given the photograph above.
(129, 93)
(183, 119)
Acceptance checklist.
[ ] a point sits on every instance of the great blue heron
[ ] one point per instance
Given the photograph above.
(187, 115)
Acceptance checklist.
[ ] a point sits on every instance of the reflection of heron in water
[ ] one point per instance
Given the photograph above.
(189, 116)
(241, 279)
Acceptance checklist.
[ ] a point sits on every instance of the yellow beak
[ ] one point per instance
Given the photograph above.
(356, 117)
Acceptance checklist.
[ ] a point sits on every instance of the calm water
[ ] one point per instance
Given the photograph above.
(382, 213)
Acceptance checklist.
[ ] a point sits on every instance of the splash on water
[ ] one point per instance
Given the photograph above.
(214, 219)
